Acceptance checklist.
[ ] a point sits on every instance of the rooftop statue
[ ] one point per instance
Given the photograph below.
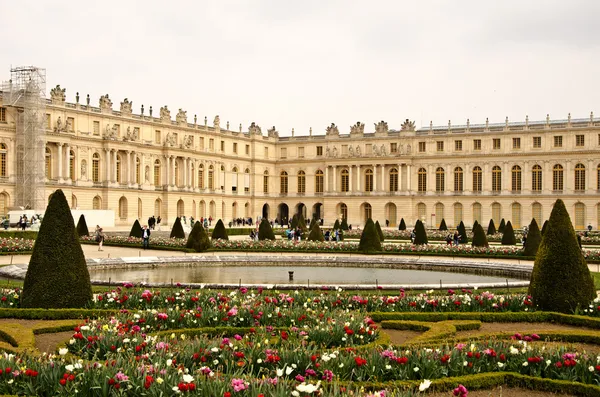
(254, 129)
(381, 127)
(165, 113)
(57, 94)
(358, 128)
(272, 133)
(181, 116)
(332, 130)
(408, 125)
(217, 122)
(126, 106)
(105, 102)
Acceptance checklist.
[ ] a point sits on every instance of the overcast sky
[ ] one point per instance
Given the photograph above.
(301, 64)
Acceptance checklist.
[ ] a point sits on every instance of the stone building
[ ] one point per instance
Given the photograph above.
(146, 163)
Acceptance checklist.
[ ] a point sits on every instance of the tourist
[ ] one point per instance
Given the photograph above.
(327, 235)
(387, 223)
(158, 222)
(337, 235)
(252, 235)
(146, 237)
(207, 223)
(456, 238)
(449, 239)
(210, 220)
(99, 237)
(413, 236)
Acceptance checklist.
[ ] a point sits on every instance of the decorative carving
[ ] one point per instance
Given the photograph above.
(382, 150)
(165, 113)
(188, 141)
(126, 106)
(408, 125)
(401, 148)
(375, 150)
(358, 128)
(60, 126)
(57, 95)
(381, 127)
(111, 134)
(131, 135)
(147, 174)
(272, 133)
(408, 150)
(357, 151)
(216, 122)
(332, 130)
(181, 117)
(334, 152)
(254, 129)
(105, 103)
(83, 169)
(327, 152)
(350, 151)
(170, 140)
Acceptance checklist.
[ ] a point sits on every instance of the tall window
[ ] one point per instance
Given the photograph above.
(345, 180)
(496, 179)
(598, 180)
(440, 180)
(458, 179)
(344, 211)
(536, 212)
(536, 178)
(201, 176)
(516, 143)
(3, 154)
(579, 177)
(496, 213)
(369, 180)
(211, 178)
(247, 180)
(368, 211)
(394, 180)
(2, 115)
(319, 181)
(477, 212)
(516, 215)
(422, 180)
(266, 182)
(557, 178)
(516, 178)
(477, 179)
(579, 216)
(283, 182)
(48, 163)
(119, 168)
(496, 143)
(422, 212)
(458, 213)
(71, 165)
(579, 140)
(96, 167)
(439, 214)
(537, 142)
(157, 173)
(138, 170)
(123, 208)
(476, 144)
(301, 182)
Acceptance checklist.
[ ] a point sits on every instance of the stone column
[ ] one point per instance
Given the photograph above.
(326, 187)
(335, 178)
(107, 165)
(350, 177)
(184, 172)
(60, 161)
(382, 187)
(167, 168)
(114, 166)
(591, 177)
(374, 178)
(358, 178)
(67, 164)
(173, 175)
(128, 179)
(408, 178)
(399, 178)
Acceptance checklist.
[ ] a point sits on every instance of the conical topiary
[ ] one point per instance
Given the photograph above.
(219, 232)
(344, 224)
(177, 230)
(474, 224)
(336, 225)
(379, 231)
(315, 233)
(508, 237)
(198, 239)
(136, 230)
(443, 225)
(462, 231)
(302, 223)
(502, 226)
(369, 240)
(420, 233)
(294, 223)
(479, 237)
(561, 280)
(491, 228)
(82, 227)
(544, 228)
(402, 225)
(533, 240)
(57, 276)
(265, 232)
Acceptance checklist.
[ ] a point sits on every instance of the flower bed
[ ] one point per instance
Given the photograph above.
(15, 245)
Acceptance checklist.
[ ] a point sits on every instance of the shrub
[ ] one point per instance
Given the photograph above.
(136, 229)
(561, 280)
(508, 236)
(198, 238)
(491, 228)
(464, 238)
(302, 223)
(443, 226)
(379, 231)
(534, 238)
(57, 276)
(369, 240)
(82, 227)
(336, 224)
(177, 230)
(479, 237)
(475, 224)
(420, 233)
(544, 226)
(344, 224)
(219, 232)
(502, 226)
(265, 232)
(315, 233)
(294, 223)
(402, 225)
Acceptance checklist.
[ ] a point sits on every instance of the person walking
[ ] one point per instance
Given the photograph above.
(99, 237)
(145, 237)
(158, 222)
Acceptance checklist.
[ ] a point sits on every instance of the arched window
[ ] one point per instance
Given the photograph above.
(266, 182)
(138, 170)
(439, 214)
(48, 163)
(180, 208)
(369, 180)
(345, 180)
(458, 180)
(123, 208)
(344, 211)
(477, 213)
(319, 181)
(96, 167)
(422, 212)
(536, 178)
(557, 178)
(496, 179)
(71, 165)
(422, 180)
(301, 182)
(458, 213)
(234, 179)
(201, 176)
(234, 210)
(394, 180)
(211, 178)
(477, 179)
(579, 177)
(440, 180)
(536, 212)
(579, 216)
(516, 178)
(247, 180)
(3, 164)
(157, 173)
(97, 203)
(157, 207)
(73, 202)
(202, 209)
(283, 182)
(496, 213)
(4, 204)
(118, 168)
(516, 215)
(368, 211)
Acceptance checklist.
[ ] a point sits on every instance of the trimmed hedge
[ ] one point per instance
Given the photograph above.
(534, 238)
(379, 231)
(502, 226)
(479, 237)
(344, 224)
(369, 240)
(55, 314)
(420, 233)
(136, 230)
(27, 234)
(315, 233)
(508, 236)
(198, 239)
(491, 228)
(82, 227)
(443, 226)
(265, 232)
(177, 230)
(219, 232)
(462, 231)
(402, 225)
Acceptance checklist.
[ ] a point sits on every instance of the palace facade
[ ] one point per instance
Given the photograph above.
(147, 164)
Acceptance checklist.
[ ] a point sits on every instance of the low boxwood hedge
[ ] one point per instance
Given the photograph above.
(55, 314)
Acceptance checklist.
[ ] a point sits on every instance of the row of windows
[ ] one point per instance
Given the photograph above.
(497, 143)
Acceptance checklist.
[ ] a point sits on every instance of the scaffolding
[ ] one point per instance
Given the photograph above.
(26, 93)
